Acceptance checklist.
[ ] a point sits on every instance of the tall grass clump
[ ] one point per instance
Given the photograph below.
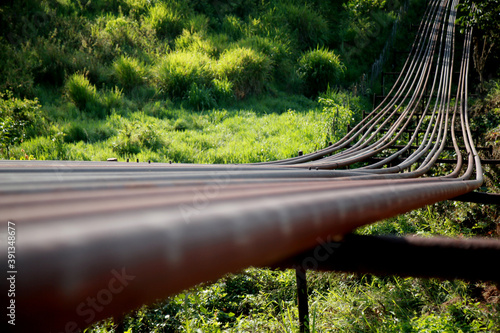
(222, 90)
(165, 19)
(248, 70)
(195, 42)
(320, 68)
(176, 73)
(278, 51)
(129, 72)
(233, 27)
(81, 92)
(200, 97)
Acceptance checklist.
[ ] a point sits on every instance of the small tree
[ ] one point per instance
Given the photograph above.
(482, 16)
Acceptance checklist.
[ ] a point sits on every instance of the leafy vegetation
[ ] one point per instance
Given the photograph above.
(264, 300)
(224, 82)
(482, 17)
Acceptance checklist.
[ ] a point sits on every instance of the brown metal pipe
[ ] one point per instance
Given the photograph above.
(437, 257)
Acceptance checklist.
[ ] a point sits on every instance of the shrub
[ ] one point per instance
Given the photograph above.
(81, 92)
(246, 69)
(319, 69)
(122, 31)
(179, 70)
(129, 72)
(198, 23)
(19, 119)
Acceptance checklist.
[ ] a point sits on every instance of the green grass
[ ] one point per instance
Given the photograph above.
(214, 136)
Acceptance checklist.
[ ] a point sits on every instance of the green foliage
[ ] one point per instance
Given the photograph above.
(195, 42)
(233, 27)
(277, 51)
(112, 100)
(359, 8)
(336, 116)
(166, 19)
(320, 68)
(246, 69)
(483, 16)
(222, 90)
(52, 63)
(177, 71)
(129, 72)
(15, 69)
(81, 92)
(308, 27)
(19, 119)
(181, 125)
(200, 97)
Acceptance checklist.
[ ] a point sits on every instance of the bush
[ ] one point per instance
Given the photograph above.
(179, 70)
(246, 69)
(81, 92)
(122, 32)
(19, 119)
(319, 69)
(198, 23)
(53, 63)
(129, 72)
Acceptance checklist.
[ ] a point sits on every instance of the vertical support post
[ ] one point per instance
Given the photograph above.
(120, 325)
(302, 299)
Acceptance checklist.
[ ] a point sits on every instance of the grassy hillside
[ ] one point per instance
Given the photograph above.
(144, 79)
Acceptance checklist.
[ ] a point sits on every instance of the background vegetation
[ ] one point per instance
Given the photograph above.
(237, 81)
